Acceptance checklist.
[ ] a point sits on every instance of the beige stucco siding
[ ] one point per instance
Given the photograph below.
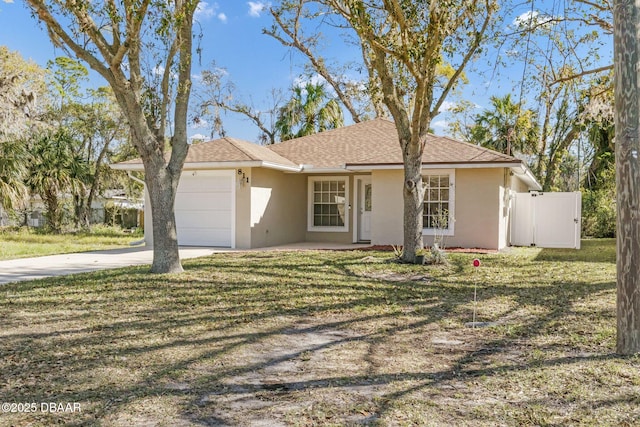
(243, 207)
(278, 208)
(478, 208)
(386, 207)
(503, 229)
(518, 185)
(148, 219)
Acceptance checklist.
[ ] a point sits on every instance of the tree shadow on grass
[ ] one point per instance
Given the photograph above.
(239, 340)
(591, 250)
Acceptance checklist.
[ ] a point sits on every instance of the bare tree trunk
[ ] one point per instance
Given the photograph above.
(54, 214)
(627, 103)
(413, 195)
(84, 216)
(555, 157)
(162, 191)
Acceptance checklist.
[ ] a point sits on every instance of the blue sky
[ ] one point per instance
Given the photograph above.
(231, 36)
(256, 63)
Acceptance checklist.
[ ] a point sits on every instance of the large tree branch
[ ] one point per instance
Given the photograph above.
(479, 35)
(134, 23)
(602, 8)
(184, 11)
(89, 27)
(58, 33)
(112, 11)
(392, 100)
(318, 63)
(582, 74)
(165, 85)
(374, 91)
(253, 116)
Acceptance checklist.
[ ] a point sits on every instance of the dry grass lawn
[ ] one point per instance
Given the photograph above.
(29, 242)
(322, 339)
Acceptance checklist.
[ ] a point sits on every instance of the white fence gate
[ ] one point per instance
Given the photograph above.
(547, 220)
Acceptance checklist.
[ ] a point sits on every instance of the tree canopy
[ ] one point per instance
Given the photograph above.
(405, 46)
(310, 110)
(143, 50)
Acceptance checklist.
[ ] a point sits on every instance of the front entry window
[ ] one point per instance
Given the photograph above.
(328, 204)
(438, 214)
(367, 197)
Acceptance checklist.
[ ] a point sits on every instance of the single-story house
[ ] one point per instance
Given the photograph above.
(341, 186)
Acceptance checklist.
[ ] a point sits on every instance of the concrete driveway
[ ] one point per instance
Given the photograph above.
(17, 270)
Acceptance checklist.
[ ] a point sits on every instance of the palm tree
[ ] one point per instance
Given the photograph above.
(308, 112)
(13, 155)
(55, 169)
(506, 127)
(22, 89)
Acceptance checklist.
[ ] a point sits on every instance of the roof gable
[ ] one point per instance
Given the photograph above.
(229, 151)
(337, 147)
(233, 150)
(369, 144)
(375, 142)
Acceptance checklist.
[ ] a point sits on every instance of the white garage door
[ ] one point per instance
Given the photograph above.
(205, 209)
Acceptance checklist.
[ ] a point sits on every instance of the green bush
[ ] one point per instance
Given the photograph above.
(111, 230)
(599, 213)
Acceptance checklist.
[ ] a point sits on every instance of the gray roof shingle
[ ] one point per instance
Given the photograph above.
(375, 142)
(370, 143)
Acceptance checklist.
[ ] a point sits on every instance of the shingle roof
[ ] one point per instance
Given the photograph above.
(371, 143)
(375, 142)
(232, 150)
(229, 150)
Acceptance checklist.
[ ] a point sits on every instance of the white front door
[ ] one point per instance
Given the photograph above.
(364, 209)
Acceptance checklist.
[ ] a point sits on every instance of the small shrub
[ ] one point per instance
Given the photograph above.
(109, 230)
(397, 251)
(437, 255)
(598, 213)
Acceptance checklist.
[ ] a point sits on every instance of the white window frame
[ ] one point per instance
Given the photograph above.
(452, 201)
(310, 203)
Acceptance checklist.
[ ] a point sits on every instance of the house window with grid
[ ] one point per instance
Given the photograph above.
(438, 203)
(328, 204)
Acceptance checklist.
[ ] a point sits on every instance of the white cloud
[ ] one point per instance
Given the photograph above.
(524, 19)
(205, 10)
(316, 79)
(447, 105)
(222, 17)
(451, 106)
(439, 125)
(220, 72)
(158, 70)
(198, 137)
(256, 8)
(8, 1)
(533, 18)
(200, 124)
